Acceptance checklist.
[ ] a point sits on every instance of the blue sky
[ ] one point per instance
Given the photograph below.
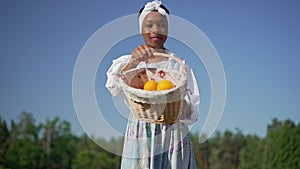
(258, 43)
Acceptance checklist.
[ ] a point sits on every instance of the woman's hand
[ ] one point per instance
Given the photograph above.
(142, 53)
(186, 110)
(139, 54)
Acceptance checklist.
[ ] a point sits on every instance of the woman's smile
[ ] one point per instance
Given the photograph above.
(156, 38)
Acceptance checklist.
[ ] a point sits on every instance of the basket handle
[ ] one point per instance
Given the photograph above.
(184, 71)
(177, 59)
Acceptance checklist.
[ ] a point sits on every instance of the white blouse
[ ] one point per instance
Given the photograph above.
(188, 117)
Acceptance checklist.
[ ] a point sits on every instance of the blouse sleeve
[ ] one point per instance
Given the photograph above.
(112, 83)
(190, 108)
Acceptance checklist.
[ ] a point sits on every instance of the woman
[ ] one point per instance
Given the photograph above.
(151, 145)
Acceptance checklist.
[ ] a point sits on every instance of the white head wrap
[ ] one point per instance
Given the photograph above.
(149, 7)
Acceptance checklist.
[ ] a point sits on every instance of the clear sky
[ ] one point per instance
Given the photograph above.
(258, 43)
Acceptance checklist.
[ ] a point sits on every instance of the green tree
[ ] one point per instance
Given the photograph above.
(252, 154)
(282, 145)
(216, 151)
(59, 144)
(24, 150)
(225, 149)
(83, 143)
(202, 151)
(4, 135)
(237, 143)
(94, 157)
(85, 159)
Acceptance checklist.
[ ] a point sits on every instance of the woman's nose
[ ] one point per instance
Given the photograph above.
(155, 29)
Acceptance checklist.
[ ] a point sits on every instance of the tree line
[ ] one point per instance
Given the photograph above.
(51, 145)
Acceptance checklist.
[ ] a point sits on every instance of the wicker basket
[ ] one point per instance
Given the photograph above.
(162, 107)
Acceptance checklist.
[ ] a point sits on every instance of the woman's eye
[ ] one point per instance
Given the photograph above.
(148, 25)
(162, 24)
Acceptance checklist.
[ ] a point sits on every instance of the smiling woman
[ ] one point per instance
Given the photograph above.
(150, 144)
(155, 29)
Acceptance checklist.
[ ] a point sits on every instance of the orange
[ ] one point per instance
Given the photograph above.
(165, 85)
(150, 85)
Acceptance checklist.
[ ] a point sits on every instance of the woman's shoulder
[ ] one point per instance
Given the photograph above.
(180, 58)
(122, 58)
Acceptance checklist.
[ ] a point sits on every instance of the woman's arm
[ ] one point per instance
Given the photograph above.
(191, 101)
(113, 75)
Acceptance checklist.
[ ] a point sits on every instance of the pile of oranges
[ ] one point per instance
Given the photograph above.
(164, 84)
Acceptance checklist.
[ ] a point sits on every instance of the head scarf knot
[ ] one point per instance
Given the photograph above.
(149, 7)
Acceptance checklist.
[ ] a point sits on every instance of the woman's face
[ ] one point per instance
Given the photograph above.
(155, 29)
